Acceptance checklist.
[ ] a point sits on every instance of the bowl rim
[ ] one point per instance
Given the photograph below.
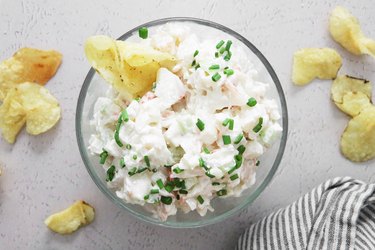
(250, 199)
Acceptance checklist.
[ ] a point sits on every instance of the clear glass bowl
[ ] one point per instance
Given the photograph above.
(94, 86)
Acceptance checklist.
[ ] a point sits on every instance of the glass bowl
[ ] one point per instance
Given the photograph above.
(94, 86)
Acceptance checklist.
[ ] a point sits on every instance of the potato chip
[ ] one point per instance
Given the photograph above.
(28, 65)
(31, 103)
(343, 85)
(353, 103)
(70, 219)
(345, 30)
(129, 67)
(311, 63)
(358, 140)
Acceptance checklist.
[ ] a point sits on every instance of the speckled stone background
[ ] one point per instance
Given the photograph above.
(44, 174)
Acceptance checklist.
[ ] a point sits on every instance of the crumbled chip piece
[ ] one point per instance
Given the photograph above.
(129, 67)
(311, 63)
(28, 103)
(358, 139)
(28, 65)
(345, 30)
(351, 94)
(70, 219)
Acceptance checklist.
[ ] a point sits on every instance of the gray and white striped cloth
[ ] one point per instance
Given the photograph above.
(338, 214)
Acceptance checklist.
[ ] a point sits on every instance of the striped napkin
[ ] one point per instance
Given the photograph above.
(338, 214)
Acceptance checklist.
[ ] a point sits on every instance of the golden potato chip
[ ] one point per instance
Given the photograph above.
(28, 65)
(353, 103)
(311, 63)
(70, 219)
(358, 140)
(344, 84)
(129, 67)
(31, 103)
(345, 30)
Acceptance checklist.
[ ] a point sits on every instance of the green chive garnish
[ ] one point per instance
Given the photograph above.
(128, 146)
(141, 170)
(111, 173)
(198, 66)
(146, 197)
(216, 54)
(196, 53)
(143, 32)
(258, 127)
(166, 200)
(251, 102)
(226, 139)
(231, 124)
(177, 170)
(103, 156)
(226, 122)
(228, 72)
(182, 191)
(241, 149)
(214, 66)
(216, 183)
(232, 169)
(257, 164)
(154, 191)
(227, 46)
(147, 160)
(221, 43)
(221, 192)
(234, 177)
(117, 138)
(137, 99)
(193, 63)
(222, 50)
(238, 139)
(135, 157)
(169, 187)
(203, 164)
(160, 183)
(132, 171)
(216, 77)
(228, 56)
(200, 124)
(210, 175)
(124, 115)
(200, 199)
(206, 150)
(122, 163)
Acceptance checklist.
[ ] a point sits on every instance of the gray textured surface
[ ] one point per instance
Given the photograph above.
(44, 174)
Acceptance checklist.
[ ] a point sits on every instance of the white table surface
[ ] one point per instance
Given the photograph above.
(44, 174)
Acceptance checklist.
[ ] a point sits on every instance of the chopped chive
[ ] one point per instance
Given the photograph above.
(166, 200)
(222, 50)
(231, 124)
(124, 115)
(206, 150)
(137, 99)
(200, 124)
(200, 199)
(169, 187)
(197, 66)
(196, 53)
(228, 56)
(143, 32)
(234, 177)
(232, 169)
(258, 127)
(132, 171)
(122, 163)
(103, 156)
(221, 43)
(178, 183)
(203, 164)
(251, 102)
(111, 173)
(216, 77)
(241, 149)
(226, 139)
(141, 170)
(221, 192)
(128, 146)
(227, 46)
(160, 183)
(193, 63)
(210, 175)
(135, 157)
(147, 160)
(117, 139)
(228, 72)
(177, 170)
(154, 191)
(257, 164)
(216, 54)
(226, 68)
(238, 139)
(238, 159)
(226, 122)
(216, 183)
(183, 191)
(146, 197)
(214, 66)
